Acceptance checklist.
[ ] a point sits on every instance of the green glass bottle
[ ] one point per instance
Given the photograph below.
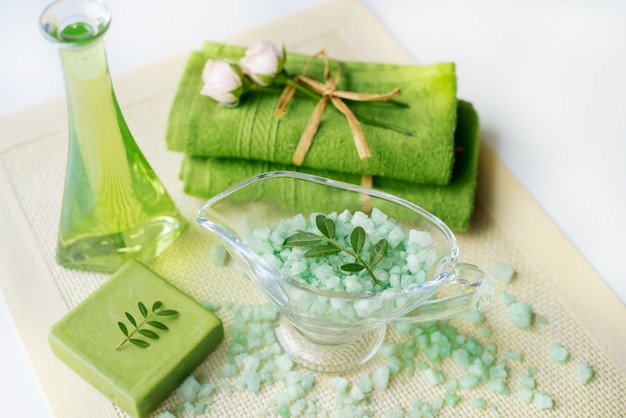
(114, 206)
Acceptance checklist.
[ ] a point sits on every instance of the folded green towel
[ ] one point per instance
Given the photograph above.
(251, 131)
(453, 204)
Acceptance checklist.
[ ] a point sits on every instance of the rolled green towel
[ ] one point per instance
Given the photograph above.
(453, 204)
(251, 131)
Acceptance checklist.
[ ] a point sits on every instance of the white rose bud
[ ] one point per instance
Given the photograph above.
(262, 61)
(222, 83)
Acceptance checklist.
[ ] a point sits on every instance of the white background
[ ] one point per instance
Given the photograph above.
(547, 77)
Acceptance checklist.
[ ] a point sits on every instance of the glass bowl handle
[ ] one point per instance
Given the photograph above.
(478, 295)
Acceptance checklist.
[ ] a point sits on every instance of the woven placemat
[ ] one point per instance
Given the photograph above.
(39, 292)
(186, 265)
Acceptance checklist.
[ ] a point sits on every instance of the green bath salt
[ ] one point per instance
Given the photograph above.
(346, 252)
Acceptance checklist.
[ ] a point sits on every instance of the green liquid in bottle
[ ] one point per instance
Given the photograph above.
(114, 206)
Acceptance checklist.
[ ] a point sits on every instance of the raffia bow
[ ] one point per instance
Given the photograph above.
(328, 91)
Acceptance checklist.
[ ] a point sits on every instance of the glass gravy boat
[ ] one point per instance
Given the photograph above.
(351, 327)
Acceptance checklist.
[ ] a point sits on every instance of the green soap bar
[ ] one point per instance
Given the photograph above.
(135, 378)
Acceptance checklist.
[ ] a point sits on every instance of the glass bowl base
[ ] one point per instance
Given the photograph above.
(328, 358)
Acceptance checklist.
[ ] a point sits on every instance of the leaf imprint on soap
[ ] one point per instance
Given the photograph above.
(147, 324)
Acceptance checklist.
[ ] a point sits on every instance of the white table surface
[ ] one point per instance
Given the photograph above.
(547, 78)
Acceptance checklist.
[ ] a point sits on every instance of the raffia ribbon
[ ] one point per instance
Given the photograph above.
(328, 91)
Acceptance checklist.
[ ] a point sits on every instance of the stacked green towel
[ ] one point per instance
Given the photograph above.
(223, 146)
(251, 131)
(452, 203)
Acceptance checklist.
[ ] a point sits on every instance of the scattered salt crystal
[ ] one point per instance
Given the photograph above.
(284, 362)
(394, 364)
(187, 408)
(297, 407)
(526, 395)
(506, 297)
(584, 372)
(452, 385)
(542, 400)
(513, 355)
(188, 390)
(468, 381)
(498, 370)
(558, 353)
(338, 384)
(437, 403)
(206, 389)
(433, 376)
(477, 368)
(229, 370)
(476, 317)
(356, 393)
(380, 377)
(487, 358)
(365, 382)
(498, 385)
(218, 255)
(521, 314)
(479, 403)
(461, 358)
(250, 363)
(502, 272)
(452, 398)
(253, 381)
(473, 346)
(528, 382)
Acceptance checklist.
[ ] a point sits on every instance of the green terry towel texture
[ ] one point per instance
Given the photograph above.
(251, 131)
(453, 203)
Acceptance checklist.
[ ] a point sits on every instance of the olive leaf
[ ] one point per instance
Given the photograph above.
(143, 310)
(378, 253)
(157, 324)
(353, 267)
(139, 343)
(302, 239)
(321, 251)
(326, 226)
(139, 328)
(358, 237)
(131, 319)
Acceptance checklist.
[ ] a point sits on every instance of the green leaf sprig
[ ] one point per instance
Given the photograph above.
(330, 246)
(149, 318)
